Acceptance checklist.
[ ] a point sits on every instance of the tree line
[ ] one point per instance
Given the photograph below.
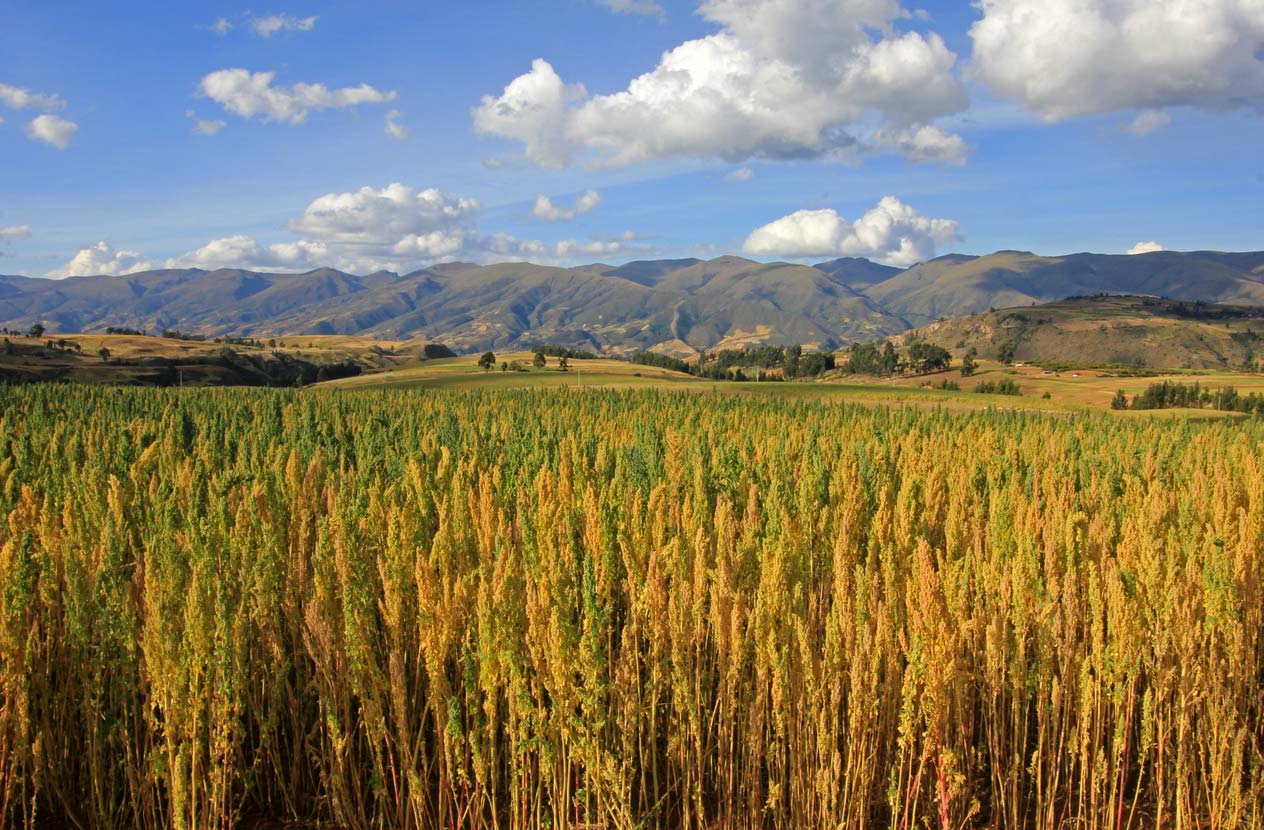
(1174, 395)
(919, 358)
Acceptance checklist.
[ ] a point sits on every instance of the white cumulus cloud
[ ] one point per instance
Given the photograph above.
(266, 27)
(222, 26)
(926, 144)
(248, 94)
(1065, 58)
(393, 128)
(379, 217)
(202, 126)
(243, 252)
(891, 232)
(534, 109)
(397, 227)
(52, 129)
(15, 232)
(782, 80)
(546, 211)
(101, 258)
(19, 98)
(1145, 248)
(741, 174)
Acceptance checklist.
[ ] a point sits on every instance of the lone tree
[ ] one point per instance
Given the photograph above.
(1006, 353)
(487, 361)
(969, 363)
(539, 360)
(36, 331)
(1120, 401)
(890, 360)
(790, 365)
(104, 353)
(927, 357)
(563, 363)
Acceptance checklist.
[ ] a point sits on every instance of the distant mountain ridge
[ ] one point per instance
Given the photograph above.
(679, 306)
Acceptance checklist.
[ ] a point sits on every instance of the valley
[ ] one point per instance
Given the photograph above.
(1064, 356)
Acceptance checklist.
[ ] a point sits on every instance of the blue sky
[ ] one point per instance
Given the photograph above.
(797, 129)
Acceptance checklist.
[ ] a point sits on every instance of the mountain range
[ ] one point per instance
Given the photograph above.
(676, 306)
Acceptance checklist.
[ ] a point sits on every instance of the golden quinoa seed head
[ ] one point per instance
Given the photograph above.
(629, 610)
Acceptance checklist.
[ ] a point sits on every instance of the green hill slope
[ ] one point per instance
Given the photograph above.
(1111, 330)
(954, 285)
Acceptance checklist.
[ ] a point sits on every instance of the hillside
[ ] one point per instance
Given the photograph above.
(680, 306)
(1111, 330)
(137, 360)
(955, 285)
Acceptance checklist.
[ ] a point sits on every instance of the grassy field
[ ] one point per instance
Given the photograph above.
(1071, 390)
(1068, 391)
(464, 373)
